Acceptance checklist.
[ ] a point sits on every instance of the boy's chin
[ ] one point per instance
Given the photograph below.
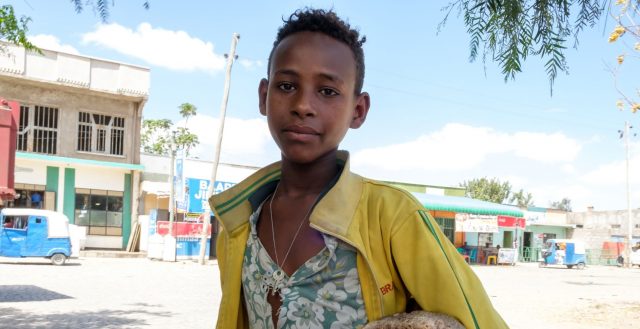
(304, 157)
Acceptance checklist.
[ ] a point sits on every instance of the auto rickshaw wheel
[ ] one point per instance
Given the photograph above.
(58, 259)
(580, 266)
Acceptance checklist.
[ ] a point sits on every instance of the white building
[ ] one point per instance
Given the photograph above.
(155, 179)
(78, 137)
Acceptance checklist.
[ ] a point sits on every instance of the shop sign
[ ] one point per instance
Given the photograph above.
(476, 223)
(181, 229)
(509, 221)
(198, 193)
(534, 217)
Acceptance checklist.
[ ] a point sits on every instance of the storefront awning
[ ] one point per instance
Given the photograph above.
(466, 205)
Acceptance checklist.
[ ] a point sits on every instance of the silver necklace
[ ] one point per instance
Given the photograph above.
(278, 274)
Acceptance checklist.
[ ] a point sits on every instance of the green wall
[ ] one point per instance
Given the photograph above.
(53, 174)
(69, 194)
(126, 211)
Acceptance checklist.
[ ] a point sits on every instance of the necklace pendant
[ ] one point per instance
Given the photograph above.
(278, 275)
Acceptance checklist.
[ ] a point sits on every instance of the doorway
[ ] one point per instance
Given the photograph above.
(507, 240)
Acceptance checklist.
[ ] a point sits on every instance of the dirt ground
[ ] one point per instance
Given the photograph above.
(97, 293)
(556, 297)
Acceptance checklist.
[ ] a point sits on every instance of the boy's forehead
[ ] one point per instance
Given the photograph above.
(314, 48)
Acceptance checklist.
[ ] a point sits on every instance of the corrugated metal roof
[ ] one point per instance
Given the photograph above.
(466, 205)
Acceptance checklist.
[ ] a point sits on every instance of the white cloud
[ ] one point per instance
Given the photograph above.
(547, 148)
(245, 141)
(461, 147)
(249, 64)
(175, 50)
(579, 195)
(614, 173)
(568, 168)
(51, 42)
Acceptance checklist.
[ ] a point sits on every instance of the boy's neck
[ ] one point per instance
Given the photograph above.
(309, 177)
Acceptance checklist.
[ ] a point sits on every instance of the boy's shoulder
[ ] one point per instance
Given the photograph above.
(387, 192)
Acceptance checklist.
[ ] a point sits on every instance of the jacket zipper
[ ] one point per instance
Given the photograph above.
(344, 239)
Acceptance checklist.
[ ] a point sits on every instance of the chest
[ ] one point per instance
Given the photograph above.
(287, 236)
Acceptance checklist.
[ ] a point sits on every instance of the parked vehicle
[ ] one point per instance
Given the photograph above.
(566, 252)
(635, 256)
(35, 233)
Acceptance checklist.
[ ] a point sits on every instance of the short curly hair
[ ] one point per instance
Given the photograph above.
(326, 22)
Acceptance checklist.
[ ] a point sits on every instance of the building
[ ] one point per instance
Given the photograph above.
(596, 228)
(77, 147)
(196, 174)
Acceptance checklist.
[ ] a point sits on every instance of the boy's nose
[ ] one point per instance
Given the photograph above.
(303, 104)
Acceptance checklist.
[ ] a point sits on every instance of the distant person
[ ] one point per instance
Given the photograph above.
(7, 223)
(305, 242)
(36, 200)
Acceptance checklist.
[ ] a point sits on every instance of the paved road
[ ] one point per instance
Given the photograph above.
(93, 293)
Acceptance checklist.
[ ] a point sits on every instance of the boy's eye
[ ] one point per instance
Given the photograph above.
(285, 86)
(328, 92)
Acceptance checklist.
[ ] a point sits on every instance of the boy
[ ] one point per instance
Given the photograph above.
(305, 242)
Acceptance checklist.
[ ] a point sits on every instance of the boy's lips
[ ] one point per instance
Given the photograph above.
(303, 130)
(300, 133)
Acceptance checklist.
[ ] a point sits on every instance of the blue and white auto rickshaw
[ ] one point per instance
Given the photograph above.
(35, 233)
(566, 252)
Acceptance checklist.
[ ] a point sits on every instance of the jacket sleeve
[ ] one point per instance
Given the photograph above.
(437, 277)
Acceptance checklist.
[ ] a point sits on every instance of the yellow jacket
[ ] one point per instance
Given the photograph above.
(402, 252)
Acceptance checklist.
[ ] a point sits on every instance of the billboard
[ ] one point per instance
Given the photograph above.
(198, 193)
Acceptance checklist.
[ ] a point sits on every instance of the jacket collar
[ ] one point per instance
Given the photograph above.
(332, 213)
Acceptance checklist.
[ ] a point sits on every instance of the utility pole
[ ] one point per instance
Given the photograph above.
(169, 252)
(216, 160)
(627, 251)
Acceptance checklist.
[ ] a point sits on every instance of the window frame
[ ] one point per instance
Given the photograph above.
(38, 129)
(104, 134)
(105, 215)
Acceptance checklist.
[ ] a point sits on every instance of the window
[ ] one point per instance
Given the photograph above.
(447, 225)
(38, 129)
(548, 236)
(485, 239)
(16, 222)
(99, 210)
(98, 133)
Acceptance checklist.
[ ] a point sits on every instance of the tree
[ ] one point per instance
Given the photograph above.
(100, 6)
(488, 190)
(156, 135)
(564, 204)
(626, 29)
(508, 31)
(187, 139)
(521, 199)
(13, 29)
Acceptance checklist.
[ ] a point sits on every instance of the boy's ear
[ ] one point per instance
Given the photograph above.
(262, 96)
(360, 111)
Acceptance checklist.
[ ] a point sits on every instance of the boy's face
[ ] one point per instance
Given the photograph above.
(310, 99)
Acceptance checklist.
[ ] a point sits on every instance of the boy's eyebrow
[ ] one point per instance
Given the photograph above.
(328, 76)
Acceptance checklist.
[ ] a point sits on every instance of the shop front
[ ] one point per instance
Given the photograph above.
(542, 224)
(477, 228)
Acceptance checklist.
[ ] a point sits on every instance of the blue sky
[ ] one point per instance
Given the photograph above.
(435, 118)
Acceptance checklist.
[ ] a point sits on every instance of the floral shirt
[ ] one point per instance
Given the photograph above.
(324, 292)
